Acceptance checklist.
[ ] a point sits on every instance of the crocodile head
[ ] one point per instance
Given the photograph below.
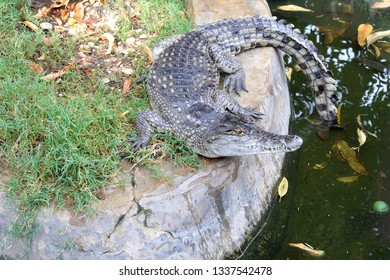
(225, 134)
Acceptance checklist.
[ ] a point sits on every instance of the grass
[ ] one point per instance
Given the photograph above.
(64, 138)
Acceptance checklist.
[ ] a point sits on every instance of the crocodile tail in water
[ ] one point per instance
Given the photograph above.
(238, 35)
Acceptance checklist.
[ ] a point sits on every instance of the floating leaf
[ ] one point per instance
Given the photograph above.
(283, 188)
(308, 249)
(339, 114)
(294, 8)
(289, 73)
(348, 179)
(31, 25)
(364, 30)
(332, 32)
(372, 38)
(361, 137)
(110, 38)
(377, 51)
(322, 130)
(319, 166)
(381, 5)
(344, 153)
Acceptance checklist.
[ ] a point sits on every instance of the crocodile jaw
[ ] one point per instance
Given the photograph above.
(261, 142)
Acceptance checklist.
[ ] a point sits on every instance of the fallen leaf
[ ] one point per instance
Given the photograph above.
(319, 166)
(42, 13)
(364, 30)
(36, 68)
(361, 137)
(339, 114)
(332, 32)
(31, 25)
(381, 5)
(372, 38)
(59, 3)
(294, 8)
(110, 38)
(79, 12)
(343, 152)
(348, 179)
(126, 86)
(65, 13)
(289, 73)
(282, 188)
(72, 21)
(309, 250)
(377, 51)
(55, 75)
(124, 113)
(149, 53)
(322, 131)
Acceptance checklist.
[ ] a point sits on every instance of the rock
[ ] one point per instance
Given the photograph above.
(198, 215)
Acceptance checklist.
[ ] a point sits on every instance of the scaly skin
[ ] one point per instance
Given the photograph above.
(186, 101)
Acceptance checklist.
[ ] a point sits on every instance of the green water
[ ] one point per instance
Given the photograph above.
(329, 215)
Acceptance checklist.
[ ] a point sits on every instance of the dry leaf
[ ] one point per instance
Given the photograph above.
(309, 250)
(381, 4)
(364, 30)
(361, 137)
(42, 13)
(79, 12)
(294, 8)
(332, 32)
(372, 38)
(124, 113)
(36, 68)
(55, 75)
(110, 38)
(319, 166)
(282, 188)
(149, 53)
(126, 86)
(344, 153)
(289, 73)
(59, 3)
(31, 25)
(348, 179)
(339, 114)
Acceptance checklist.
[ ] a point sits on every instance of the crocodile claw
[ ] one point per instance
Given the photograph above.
(136, 143)
(235, 81)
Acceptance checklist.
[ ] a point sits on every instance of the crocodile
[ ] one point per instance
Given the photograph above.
(187, 101)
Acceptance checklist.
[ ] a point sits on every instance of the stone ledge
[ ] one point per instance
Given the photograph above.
(203, 215)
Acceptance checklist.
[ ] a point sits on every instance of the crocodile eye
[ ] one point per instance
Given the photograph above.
(235, 132)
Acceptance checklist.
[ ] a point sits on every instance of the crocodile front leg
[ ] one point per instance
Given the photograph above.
(231, 65)
(224, 101)
(146, 122)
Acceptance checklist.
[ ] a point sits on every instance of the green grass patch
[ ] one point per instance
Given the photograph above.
(64, 137)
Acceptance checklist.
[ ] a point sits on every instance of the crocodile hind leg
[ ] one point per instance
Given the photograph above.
(146, 122)
(231, 65)
(224, 101)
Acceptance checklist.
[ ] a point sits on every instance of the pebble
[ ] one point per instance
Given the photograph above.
(46, 26)
(127, 71)
(130, 42)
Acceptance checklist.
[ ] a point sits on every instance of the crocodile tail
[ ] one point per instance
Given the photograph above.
(238, 35)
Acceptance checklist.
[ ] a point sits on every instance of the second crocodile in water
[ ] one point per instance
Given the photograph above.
(186, 100)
